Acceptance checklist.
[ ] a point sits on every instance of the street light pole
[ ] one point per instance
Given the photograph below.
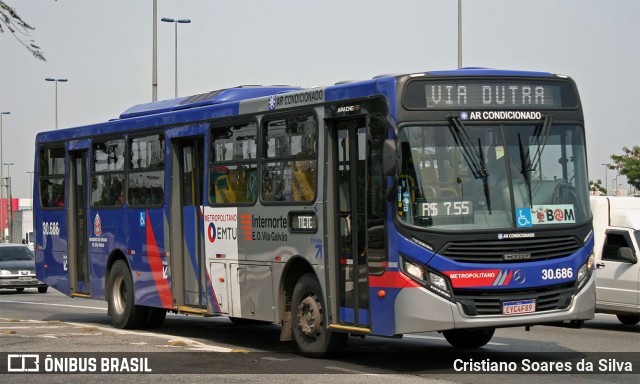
(56, 81)
(154, 64)
(8, 169)
(459, 33)
(9, 202)
(1, 151)
(175, 23)
(2, 226)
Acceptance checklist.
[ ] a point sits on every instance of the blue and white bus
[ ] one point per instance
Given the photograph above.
(453, 201)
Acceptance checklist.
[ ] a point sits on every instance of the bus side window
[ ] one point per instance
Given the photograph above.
(233, 163)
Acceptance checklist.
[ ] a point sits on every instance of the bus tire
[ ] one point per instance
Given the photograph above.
(469, 338)
(155, 317)
(123, 312)
(629, 319)
(313, 337)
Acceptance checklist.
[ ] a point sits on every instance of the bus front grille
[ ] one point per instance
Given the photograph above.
(521, 250)
(477, 302)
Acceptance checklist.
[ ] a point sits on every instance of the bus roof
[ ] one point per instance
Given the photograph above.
(214, 97)
(475, 71)
(254, 91)
(225, 102)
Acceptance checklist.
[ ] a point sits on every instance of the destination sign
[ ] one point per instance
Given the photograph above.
(488, 94)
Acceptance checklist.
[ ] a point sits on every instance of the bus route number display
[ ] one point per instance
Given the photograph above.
(488, 94)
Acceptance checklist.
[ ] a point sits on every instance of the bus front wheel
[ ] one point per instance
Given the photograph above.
(469, 338)
(310, 331)
(123, 312)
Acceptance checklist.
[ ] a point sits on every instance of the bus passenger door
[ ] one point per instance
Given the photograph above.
(350, 154)
(188, 269)
(78, 257)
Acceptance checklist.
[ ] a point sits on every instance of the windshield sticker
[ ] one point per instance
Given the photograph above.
(501, 115)
(545, 214)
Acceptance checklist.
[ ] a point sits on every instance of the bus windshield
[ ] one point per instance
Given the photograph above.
(503, 175)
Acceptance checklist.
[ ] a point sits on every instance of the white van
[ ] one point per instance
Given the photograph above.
(616, 225)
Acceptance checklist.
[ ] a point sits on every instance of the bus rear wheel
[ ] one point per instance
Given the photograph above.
(310, 332)
(469, 338)
(123, 312)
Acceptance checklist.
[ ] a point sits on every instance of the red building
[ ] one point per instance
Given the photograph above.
(4, 214)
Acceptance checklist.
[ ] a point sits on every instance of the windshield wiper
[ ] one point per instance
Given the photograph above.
(541, 135)
(474, 159)
(525, 168)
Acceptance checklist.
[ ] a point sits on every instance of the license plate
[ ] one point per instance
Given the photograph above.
(516, 307)
(23, 278)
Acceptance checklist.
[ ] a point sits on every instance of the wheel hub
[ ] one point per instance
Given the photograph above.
(309, 318)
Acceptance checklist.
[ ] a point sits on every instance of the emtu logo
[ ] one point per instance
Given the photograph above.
(211, 232)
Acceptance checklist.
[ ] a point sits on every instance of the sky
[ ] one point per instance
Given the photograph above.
(104, 49)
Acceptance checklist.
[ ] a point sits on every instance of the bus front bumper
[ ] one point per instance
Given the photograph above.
(439, 314)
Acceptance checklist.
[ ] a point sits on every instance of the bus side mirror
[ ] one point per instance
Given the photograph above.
(626, 254)
(389, 157)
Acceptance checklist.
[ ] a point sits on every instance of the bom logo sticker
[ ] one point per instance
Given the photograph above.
(553, 214)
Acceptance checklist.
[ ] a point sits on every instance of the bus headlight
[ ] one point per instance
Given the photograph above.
(413, 270)
(432, 280)
(438, 281)
(585, 271)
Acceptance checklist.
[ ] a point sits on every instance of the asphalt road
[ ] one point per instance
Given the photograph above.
(66, 331)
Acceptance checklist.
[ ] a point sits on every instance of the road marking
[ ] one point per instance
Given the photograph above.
(190, 344)
(52, 304)
(274, 359)
(347, 370)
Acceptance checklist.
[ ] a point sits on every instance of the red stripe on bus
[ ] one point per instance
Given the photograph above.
(155, 263)
(392, 280)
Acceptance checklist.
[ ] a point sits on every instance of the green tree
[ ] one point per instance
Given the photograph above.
(12, 22)
(596, 186)
(628, 164)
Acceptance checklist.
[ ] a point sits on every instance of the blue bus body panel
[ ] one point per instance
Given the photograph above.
(105, 233)
(186, 117)
(147, 257)
(51, 249)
